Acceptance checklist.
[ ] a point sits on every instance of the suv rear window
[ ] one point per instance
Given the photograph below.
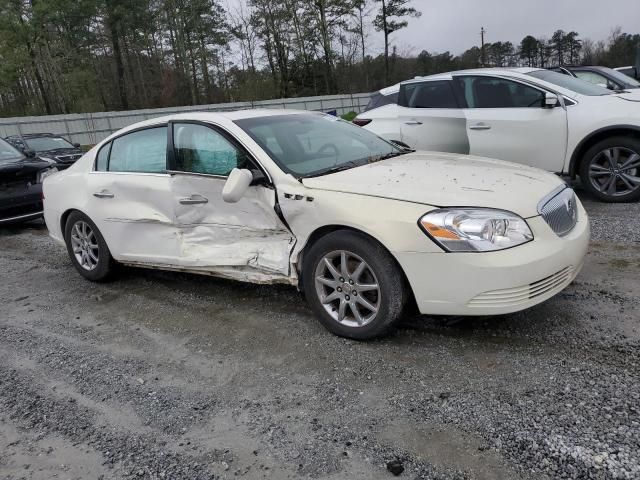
(378, 100)
(436, 94)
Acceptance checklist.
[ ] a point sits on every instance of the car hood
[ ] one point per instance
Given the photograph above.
(442, 179)
(19, 169)
(630, 95)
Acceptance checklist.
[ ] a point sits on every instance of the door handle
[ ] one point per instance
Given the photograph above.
(103, 194)
(480, 126)
(194, 200)
(413, 122)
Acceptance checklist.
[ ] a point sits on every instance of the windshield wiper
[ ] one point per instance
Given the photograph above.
(386, 156)
(334, 169)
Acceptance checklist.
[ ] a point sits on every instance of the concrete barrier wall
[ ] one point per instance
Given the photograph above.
(90, 128)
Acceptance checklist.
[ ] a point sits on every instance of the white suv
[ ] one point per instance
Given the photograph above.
(535, 117)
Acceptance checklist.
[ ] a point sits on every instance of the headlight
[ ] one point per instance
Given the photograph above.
(45, 173)
(475, 230)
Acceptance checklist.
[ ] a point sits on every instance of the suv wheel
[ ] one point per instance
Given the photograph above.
(610, 170)
(354, 285)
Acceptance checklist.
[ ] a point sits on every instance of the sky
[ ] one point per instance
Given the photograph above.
(454, 25)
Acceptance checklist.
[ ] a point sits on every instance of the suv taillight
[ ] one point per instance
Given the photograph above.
(361, 122)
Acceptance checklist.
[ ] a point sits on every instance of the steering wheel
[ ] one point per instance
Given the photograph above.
(329, 146)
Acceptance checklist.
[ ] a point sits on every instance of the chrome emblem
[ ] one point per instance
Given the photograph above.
(568, 203)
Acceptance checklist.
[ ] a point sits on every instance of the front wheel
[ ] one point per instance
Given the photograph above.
(610, 169)
(354, 285)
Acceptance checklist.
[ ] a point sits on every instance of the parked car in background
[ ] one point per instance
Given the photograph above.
(48, 146)
(363, 227)
(605, 77)
(629, 71)
(382, 97)
(21, 179)
(531, 116)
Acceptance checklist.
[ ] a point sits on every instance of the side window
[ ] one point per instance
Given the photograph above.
(18, 143)
(200, 149)
(102, 159)
(595, 78)
(142, 151)
(491, 92)
(435, 94)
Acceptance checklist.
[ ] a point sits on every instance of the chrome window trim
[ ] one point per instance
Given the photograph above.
(152, 174)
(197, 174)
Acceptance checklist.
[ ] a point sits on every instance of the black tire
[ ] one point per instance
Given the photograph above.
(381, 269)
(104, 265)
(595, 158)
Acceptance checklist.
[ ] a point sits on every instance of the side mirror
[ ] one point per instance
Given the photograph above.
(259, 178)
(29, 153)
(236, 185)
(550, 100)
(77, 145)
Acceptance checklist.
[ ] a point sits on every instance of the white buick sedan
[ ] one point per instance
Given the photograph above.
(363, 227)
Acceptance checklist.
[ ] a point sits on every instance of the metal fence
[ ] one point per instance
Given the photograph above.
(90, 128)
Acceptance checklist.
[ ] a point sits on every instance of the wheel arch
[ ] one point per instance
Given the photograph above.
(65, 216)
(595, 137)
(320, 232)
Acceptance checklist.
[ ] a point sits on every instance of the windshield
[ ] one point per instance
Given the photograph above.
(8, 154)
(570, 83)
(621, 77)
(312, 144)
(41, 144)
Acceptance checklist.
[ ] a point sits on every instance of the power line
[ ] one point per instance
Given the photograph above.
(482, 59)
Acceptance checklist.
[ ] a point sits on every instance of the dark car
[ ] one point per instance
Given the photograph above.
(21, 178)
(48, 145)
(603, 76)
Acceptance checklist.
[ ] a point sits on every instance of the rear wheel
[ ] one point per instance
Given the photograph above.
(354, 285)
(610, 170)
(87, 249)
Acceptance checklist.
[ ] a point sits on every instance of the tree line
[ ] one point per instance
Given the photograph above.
(66, 56)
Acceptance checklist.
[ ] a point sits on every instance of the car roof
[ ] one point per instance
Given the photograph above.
(215, 117)
(35, 135)
(228, 115)
(449, 76)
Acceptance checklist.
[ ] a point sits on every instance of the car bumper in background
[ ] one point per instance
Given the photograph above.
(493, 283)
(21, 204)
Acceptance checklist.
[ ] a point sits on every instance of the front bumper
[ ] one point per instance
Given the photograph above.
(493, 283)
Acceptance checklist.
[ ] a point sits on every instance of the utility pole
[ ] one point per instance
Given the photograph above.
(482, 59)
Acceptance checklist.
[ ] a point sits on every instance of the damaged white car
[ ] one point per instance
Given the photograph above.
(363, 227)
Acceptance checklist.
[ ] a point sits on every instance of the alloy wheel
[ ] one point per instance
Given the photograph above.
(615, 171)
(347, 288)
(85, 245)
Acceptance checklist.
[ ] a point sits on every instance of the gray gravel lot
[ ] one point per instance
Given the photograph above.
(164, 375)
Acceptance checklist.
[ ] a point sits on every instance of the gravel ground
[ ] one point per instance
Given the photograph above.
(163, 375)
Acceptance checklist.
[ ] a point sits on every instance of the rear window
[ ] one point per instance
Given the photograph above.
(438, 94)
(570, 83)
(142, 151)
(379, 100)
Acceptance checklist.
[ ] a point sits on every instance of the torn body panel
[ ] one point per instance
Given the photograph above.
(134, 213)
(234, 238)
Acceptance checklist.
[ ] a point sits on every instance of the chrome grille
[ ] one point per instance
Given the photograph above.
(68, 158)
(560, 210)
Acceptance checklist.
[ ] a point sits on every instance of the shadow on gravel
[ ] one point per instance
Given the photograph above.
(35, 226)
